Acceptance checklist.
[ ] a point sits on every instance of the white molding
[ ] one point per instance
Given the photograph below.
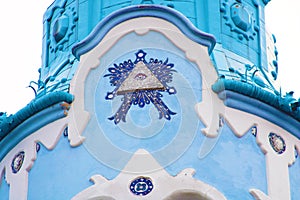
(165, 186)
(18, 182)
(194, 52)
(276, 164)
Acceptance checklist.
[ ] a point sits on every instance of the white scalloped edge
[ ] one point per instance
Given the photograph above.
(165, 186)
(48, 136)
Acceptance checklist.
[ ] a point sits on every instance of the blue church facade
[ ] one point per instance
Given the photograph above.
(154, 99)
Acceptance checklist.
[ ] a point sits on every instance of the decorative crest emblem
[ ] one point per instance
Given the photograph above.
(140, 83)
(277, 143)
(17, 162)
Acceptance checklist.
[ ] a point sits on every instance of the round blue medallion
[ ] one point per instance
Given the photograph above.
(277, 143)
(17, 162)
(141, 186)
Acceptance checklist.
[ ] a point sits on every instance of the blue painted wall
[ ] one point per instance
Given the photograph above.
(234, 165)
(143, 128)
(295, 179)
(65, 170)
(4, 189)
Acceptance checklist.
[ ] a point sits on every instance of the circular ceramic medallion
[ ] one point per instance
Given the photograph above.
(17, 162)
(277, 143)
(141, 186)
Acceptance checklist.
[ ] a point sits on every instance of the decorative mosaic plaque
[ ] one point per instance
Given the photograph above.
(141, 186)
(17, 162)
(140, 83)
(277, 143)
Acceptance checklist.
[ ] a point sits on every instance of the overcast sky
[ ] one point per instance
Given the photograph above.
(21, 47)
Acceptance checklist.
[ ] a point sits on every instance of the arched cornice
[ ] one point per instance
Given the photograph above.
(132, 12)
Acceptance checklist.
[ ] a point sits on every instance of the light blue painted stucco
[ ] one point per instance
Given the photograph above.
(295, 179)
(142, 128)
(69, 168)
(233, 166)
(4, 189)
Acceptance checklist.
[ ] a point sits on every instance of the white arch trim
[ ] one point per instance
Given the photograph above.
(165, 186)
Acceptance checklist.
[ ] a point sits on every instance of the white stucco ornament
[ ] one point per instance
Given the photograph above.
(149, 184)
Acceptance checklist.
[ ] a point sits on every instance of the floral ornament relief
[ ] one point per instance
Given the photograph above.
(140, 83)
